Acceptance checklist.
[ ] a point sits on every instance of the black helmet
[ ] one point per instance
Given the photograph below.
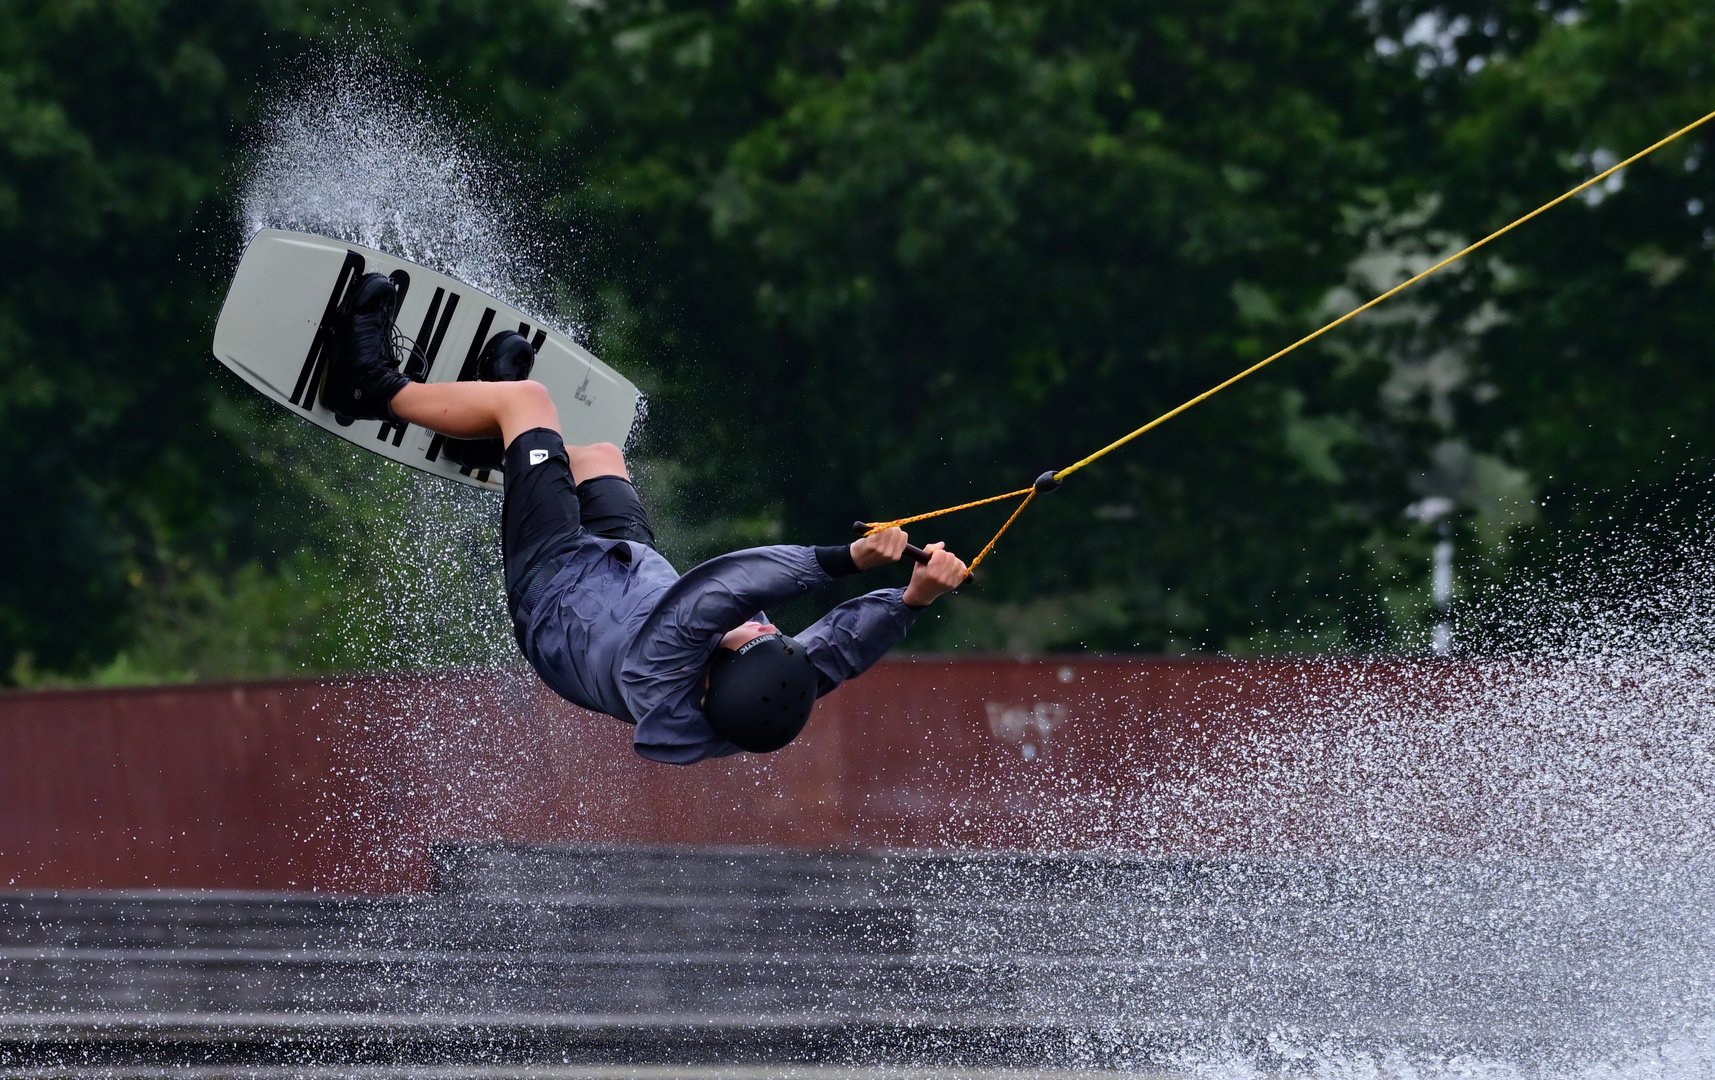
(760, 694)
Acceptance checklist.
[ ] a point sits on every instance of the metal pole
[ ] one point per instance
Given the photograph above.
(1441, 592)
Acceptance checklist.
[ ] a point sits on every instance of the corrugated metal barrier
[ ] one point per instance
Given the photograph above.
(341, 785)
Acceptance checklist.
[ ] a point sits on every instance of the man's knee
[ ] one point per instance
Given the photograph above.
(529, 394)
(521, 406)
(596, 459)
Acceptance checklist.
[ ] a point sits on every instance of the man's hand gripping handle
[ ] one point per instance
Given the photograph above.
(938, 570)
(912, 551)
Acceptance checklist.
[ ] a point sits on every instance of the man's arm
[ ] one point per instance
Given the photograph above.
(716, 596)
(848, 640)
(662, 675)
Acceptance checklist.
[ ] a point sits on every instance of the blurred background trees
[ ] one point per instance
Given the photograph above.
(873, 257)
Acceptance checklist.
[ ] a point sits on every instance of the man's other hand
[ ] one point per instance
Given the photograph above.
(883, 547)
(943, 573)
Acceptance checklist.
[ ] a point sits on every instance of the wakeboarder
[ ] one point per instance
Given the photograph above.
(606, 621)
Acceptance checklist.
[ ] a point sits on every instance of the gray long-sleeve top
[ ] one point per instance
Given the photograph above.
(618, 630)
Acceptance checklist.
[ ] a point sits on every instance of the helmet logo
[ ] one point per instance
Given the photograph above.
(758, 640)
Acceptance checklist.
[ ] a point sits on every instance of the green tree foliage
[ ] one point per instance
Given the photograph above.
(114, 131)
(1597, 377)
(869, 258)
(888, 257)
(159, 522)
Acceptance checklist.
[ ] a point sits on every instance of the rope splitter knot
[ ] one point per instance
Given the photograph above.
(1044, 484)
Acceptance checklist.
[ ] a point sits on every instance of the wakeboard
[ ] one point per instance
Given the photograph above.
(274, 332)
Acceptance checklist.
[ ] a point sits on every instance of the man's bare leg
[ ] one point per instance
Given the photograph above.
(477, 410)
(486, 410)
(597, 459)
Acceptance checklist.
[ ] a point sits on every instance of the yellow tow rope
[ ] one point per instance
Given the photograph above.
(1050, 480)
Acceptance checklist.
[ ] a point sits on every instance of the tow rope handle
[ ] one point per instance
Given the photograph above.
(1045, 483)
(912, 551)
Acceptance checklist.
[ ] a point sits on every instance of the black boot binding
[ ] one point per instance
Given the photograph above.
(364, 373)
(507, 357)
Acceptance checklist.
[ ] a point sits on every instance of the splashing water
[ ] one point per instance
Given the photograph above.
(1565, 777)
(1583, 729)
(370, 160)
(1511, 848)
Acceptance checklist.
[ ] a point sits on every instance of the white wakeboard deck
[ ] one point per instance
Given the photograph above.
(273, 332)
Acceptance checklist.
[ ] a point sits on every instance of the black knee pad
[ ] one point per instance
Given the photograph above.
(531, 448)
(540, 518)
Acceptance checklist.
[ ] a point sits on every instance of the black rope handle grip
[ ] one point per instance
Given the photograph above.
(912, 551)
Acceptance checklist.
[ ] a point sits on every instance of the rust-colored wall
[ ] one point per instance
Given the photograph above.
(342, 785)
